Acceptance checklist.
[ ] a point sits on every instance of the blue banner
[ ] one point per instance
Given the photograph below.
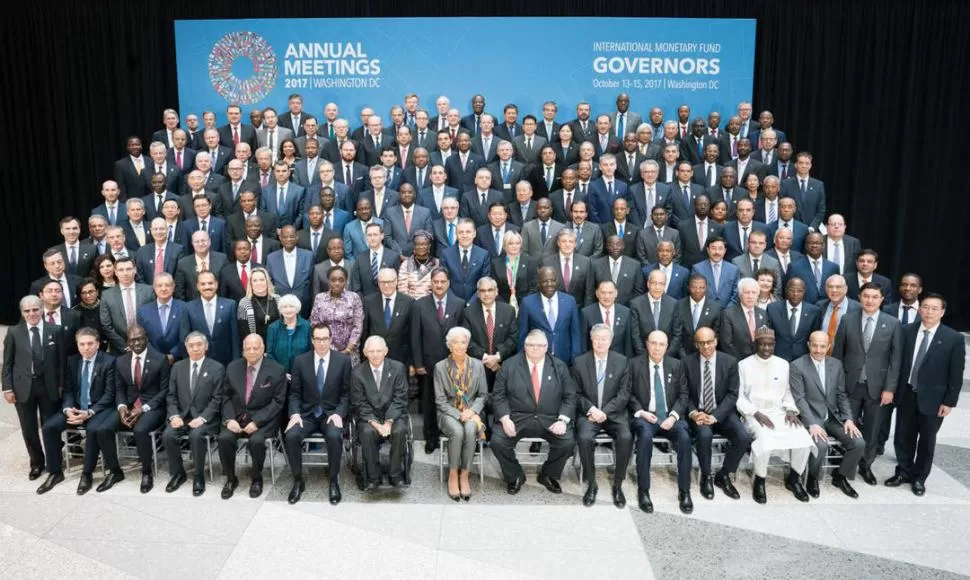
(705, 63)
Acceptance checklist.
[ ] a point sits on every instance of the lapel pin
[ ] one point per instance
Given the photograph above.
(205, 374)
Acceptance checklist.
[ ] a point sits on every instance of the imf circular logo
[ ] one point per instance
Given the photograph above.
(245, 45)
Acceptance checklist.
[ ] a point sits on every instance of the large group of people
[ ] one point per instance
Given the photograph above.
(639, 279)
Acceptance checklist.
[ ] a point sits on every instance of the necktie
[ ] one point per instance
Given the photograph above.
(178, 159)
(50, 318)
(551, 317)
(441, 311)
(793, 322)
(708, 395)
(163, 317)
(171, 233)
(772, 215)
(264, 179)
(85, 386)
(464, 161)
(210, 317)
(600, 379)
(817, 270)
(784, 171)
(549, 178)
(112, 215)
(620, 125)
(387, 313)
(377, 378)
(906, 310)
(609, 189)
(498, 241)
(373, 265)
(272, 143)
(464, 260)
(194, 379)
(159, 198)
(542, 234)
(659, 396)
(404, 156)
(330, 130)
(528, 144)
(535, 382)
(36, 351)
(137, 379)
(683, 131)
(139, 166)
(606, 318)
(710, 175)
(716, 269)
(421, 135)
(620, 231)
(202, 225)
(348, 176)
(316, 241)
(505, 172)
(130, 307)
(867, 334)
(686, 191)
(490, 330)
(281, 201)
(696, 316)
(243, 278)
(420, 177)
(802, 186)
(566, 275)
(159, 260)
(484, 199)
(784, 263)
(159, 170)
(838, 255)
(569, 200)
(250, 380)
(407, 220)
(656, 314)
(734, 147)
(744, 238)
(751, 329)
(451, 234)
(452, 134)
(321, 382)
(756, 263)
(920, 354)
(235, 135)
(832, 327)
(615, 270)
(579, 235)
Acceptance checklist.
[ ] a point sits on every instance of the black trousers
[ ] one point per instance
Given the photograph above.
(871, 414)
(854, 449)
(32, 413)
(732, 430)
(915, 440)
(197, 446)
(370, 448)
(311, 425)
(429, 411)
(99, 438)
(503, 447)
(886, 424)
(256, 443)
(619, 430)
(678, 435)
(147, 424)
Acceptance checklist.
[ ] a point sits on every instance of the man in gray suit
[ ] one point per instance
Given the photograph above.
(532, 231)
(270, 135)
(817, 383)
(623, 271)
(589, 237)
(624, 120)
(650, 237)
(119, 304)
(756, 259)
(655, 310)
(528, 144)
(870, 348)
(740, 322)
(194, 403)
(407, 218)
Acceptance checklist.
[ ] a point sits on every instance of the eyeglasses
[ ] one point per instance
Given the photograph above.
(535, 346)
(321, 338)
(706, 342)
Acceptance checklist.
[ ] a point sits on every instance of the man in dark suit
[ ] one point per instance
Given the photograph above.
(472, 121)
(254, 393)
(319, 401)
(204, 221)
(655, 232)
(33, 362)
(491, 235)
(744, 164)
(159, 164)
(793, 320)
(287, 200)
(78, 256)
(870, 348)
(406, 219)
(509, 129)
(722, 276)
(906, 310)
(476, 201)
(418, 173)
(582, 126)
(195, 398)
(647, 193)
(466, 263)
(229, 193)
(655, 310)
(161, 255)
(692, 248)
(603, 392)
(291, 269)
(818, 386)
(782, 250)
(356, 176)
(135, 226)
(707, 173)
(606, 311)
(628, 160)
(235, 132)
(692, 148)
(677, 275)
(129, 170)
(563, 198)
(159, 319)
(201, 259)
(387, 313)
(866, 262)
(548, 128)
(234, 276)
(89, 397)
(740, 322)
(622, 227)
(534, 396)
(604, 190)
(840, 247)
(493, 329)
(506, 171)
(141, 384)
(574, 275)
(55, 313)
(214, 317)
(485, 143)
(589, 236)
(379, 393)
(117, 309)
(808, 192)
(727, 190)
(463, 166)
(712, 384)
(553, 312)
(930, 380)
(729, 139)
(736, 232)
(431, 319)
(219, 154)
(528, 143)
(814, 269)
(371, 260)
(54, 268)
(658, 406)
(786, 221)
(237, 222)
(522, 209)
(622, 270)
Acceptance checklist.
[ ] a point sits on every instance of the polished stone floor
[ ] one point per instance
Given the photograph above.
(419, 533)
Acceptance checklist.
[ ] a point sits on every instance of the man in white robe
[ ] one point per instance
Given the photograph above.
(771, 416)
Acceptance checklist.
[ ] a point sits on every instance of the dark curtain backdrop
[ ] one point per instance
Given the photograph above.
(877, 91)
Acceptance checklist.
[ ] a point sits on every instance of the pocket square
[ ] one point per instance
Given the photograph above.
(266, 385)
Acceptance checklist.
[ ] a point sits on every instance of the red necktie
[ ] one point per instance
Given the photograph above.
(683, 132)
(235, 135)
(159, 260)
(490, 331)
(50, 317)
(535, 382)
(452, 134)
(441, 312)
(138, 381)
(178, 159)
(255, 253)
(751, 328)
(250, 379)
(606, 319)
(404, 157)
(243, 278)
(566, 271)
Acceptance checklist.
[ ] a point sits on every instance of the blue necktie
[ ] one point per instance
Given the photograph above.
(316, 241)
(387, 313)
(85, 386)
(505, 173)
(321, 379)
(163, 316)
(373, 265)
(498, 241)
(542, 234)
(620, 233)
(906, 310)
(451, 234)
(659, 396)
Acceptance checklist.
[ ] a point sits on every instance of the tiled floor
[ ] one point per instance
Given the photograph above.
(419, 533)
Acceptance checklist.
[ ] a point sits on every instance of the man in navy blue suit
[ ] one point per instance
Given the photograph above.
(604, 190)
(814, 269)
(930, 380)
(291, 269)
(287, 200)
(554, 313)
(808, 192)
(162, 249)
(736, 232)
(160, 318)
(462, 166)
(722, 276)
(214, 317)
(206, 222)
(465, 262)
(793, 320)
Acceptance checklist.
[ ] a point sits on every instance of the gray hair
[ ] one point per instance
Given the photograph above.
(745, 282)
(30, 301)
(196, 334)
(601, 327)
(455, 332)
(289, 300)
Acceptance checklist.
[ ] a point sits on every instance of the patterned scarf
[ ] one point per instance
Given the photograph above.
(460, 381)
